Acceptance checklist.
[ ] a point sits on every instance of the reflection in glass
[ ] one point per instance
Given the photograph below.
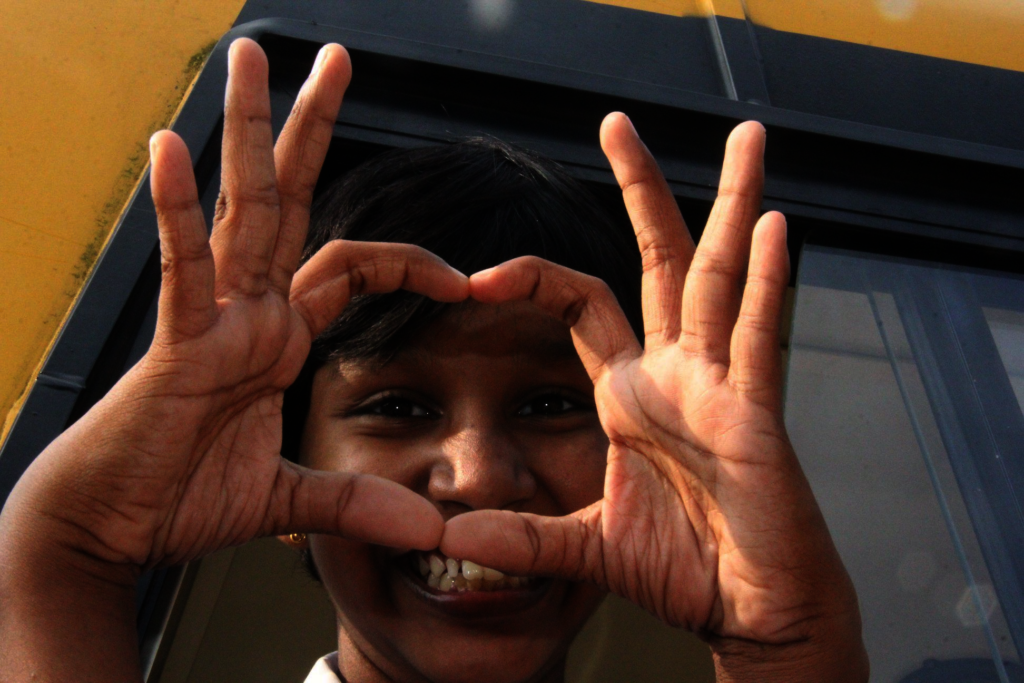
(904, 405)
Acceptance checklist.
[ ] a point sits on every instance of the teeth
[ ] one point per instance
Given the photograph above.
(447, 574)
(471, 570)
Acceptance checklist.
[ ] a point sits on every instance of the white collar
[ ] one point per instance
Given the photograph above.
(325, 670)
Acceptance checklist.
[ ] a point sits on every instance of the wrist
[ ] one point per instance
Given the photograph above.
(66, 507)
(832, 651)
(66, 615)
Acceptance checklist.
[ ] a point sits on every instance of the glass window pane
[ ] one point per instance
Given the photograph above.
(1008, 331)
(903, 402)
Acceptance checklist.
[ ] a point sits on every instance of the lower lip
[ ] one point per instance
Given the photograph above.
(477, 604)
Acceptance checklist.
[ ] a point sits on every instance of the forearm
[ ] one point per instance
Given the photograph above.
(65, 616)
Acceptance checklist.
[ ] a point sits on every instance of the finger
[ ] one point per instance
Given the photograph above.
(300, 153)
(712, 293)
(187, 306)
(247, 219)
(756, 365)
(357, 506)
(600, 331)
(567, 547)
(341, 270)
(666, 247)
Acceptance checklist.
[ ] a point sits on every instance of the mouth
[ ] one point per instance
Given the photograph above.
(466, 589)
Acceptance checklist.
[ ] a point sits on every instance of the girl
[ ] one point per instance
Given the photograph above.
(660, 471)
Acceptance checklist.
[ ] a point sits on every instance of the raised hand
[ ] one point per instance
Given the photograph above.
(182, 456)
(706, 520)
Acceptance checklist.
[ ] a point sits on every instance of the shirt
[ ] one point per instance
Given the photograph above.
(325, 670)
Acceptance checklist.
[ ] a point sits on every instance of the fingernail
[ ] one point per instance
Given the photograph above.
(321, 57)
(232, 48)
(231, 71)
(485, 272)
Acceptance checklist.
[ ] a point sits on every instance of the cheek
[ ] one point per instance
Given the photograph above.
(573, 470)
(339, 450)
(351, 573)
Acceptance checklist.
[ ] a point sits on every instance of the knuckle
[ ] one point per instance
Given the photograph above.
(739, 192)
(261, 195)
(231, 204)
(259, 118)
(531, 262)
(646, 174)
(600, 291)
(345, 494)
(176, 207)
(334, 249)
(653, 252)
(702, 342)
(767, 282)
(221, 209)
(295, 193)
(357, 278)
(712, 264)
(572, 313)
(756, 322)
(533, 538)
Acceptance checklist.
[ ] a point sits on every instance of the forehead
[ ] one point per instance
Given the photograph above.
(516, 331)
(511, 329)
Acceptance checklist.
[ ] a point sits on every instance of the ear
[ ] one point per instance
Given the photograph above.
(297, 542)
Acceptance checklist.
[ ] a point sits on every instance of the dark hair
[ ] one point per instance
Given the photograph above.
(475, 203)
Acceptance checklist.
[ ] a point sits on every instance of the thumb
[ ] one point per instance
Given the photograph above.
(567, 547)
(361, 507)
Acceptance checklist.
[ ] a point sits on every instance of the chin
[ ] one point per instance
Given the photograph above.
(416, 621)
(502, 661)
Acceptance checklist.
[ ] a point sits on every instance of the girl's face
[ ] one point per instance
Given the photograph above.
(486, 408)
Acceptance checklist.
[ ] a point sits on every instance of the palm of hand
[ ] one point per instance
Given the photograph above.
(228, 394)
(678, 430)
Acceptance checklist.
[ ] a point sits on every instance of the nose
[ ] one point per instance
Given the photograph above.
(480, 467)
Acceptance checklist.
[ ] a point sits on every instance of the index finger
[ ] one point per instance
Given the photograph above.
(343, 269)
(600, 331)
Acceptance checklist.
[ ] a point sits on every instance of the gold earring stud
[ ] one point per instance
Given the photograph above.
(297, 539)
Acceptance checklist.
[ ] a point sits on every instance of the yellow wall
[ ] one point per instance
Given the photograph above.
(986, 32)
(83, 86)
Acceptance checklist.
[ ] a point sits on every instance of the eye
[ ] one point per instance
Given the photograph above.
(396, 407)
(547, 405)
